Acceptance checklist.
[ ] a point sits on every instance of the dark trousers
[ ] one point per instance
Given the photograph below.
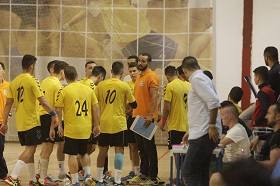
(195, 170)
(148, 155)
(3, 166)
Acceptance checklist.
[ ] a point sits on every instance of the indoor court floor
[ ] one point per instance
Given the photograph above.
(13, 150)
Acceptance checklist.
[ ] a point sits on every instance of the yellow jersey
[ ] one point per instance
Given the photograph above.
(4, 87)
(88, 82)
(112, 95)
(76, 100)
(131, 85)
(24, 90)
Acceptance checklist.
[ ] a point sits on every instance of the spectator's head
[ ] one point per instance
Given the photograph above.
(99, 73)
(260, 75)
(181, 74)
(235, 94)
(170, 73)
(50, 66)
(229, 113)
(189, 66)
(273, 115)
(144, 61)
(270, 56)
(208, 73)
(2, 69)
(133, 70)
(59, 67)
(242, 173)
(88, 68)
(132, 59)
(117, 68)
(28, 63)
(70, 74)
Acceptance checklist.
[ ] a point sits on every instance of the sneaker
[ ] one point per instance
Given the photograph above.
(101, 183)
(161, 182)
(2, 179)
(117, 184)
(130, 175)
(10, 181)
(76, 184)
(137, 179)
(88, 180)
(49, 181)
(63, 177)
(150, 182)
(108, 177)
(32, 183)
(81, 175)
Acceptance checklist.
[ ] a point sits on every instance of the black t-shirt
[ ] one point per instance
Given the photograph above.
(272, 141)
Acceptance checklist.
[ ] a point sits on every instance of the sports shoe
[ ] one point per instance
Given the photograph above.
(10, 181)
(160, 181)
(2, 179)
(150, 181)
(81, 175)
(101, 183)
(108, 177)
(137, 179)
(88, 180)
(130, 175)
(117, 184)
(49, 181)
(63, 177)
(76, 184)
(32, 183)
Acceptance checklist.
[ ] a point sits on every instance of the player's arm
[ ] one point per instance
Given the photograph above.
(7, 109)
(45, 104)
(95, 120)
(58, 111)
(165, 114)
(273, 158)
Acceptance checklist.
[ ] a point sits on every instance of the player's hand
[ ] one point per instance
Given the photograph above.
(213, 134)
(162, 127)
(55, 121)
(3, 129)
(52, 133)
(96, 131)
(60, 131)
(185, 138)
(254, 142)
(128, 110)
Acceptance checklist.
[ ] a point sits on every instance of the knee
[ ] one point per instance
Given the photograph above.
(216, 180)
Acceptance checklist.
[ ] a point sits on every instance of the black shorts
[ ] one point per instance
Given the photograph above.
(130, 137)
(92, 139)
(117, 139)
(75, 146)
(46, 121)
(30, 137)
(175, 137)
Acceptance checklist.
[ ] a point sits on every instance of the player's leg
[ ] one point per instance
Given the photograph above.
(85, 161)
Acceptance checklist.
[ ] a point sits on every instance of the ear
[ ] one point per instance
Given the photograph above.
(277, 117)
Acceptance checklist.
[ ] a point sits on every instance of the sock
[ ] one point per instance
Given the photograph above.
(39, 168)
(74, 178)
(118, 161)
(31, 170)
(118, 176)
(19, 165)
(100, 174)
(61, 168)
(132, 167)
(137, 170)
(87, 170)
(105, 165)
(44, 168)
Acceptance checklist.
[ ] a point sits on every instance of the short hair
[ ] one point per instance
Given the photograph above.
(170, 71)
(149, 57)
(272, 53)
(98, 70)
(190, 63)
(133, 64)
(51, 64)
(208, 74)
(231, 106)
(70, 73)
(180, 70)
(28, 60)
(3, 65)
(59, 65)
(277, 107)
(236, 94)
(262, 72)
(117, 67)
(133, 57)
(90, 62)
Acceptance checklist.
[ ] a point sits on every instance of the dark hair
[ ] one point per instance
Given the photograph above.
(70, 73)
(59, 65)
(149, 57)
(27, 61)
(117, 68)
(90, 62)
(226, 104)
(99, 70)
(3, 65)
(236, 94)
(208, 74)
(272, 53)
(133, 64)
(180, 70)
(277, 107)
(246, 172)
(190, 63)
(229, 104)
(133, 57)
(51, 64)
(170, 71)
(262, 71)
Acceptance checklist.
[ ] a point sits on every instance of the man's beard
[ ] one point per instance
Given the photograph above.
(272, 124)
(143, 68)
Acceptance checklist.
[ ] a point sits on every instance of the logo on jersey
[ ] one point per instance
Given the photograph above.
(142, 83)
(5, 92)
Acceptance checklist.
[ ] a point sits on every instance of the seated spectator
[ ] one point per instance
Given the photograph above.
(265, 97)
(235, 95)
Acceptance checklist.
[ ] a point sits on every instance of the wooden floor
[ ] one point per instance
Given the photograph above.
(13, 150)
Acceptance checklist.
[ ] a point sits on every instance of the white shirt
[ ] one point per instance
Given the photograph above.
(126, 78)
(241, 143)
(202, 97)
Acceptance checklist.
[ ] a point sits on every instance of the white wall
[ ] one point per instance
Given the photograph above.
(227, 40)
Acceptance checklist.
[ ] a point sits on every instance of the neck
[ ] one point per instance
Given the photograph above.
(116, 76)
(233, 123)
(94, 79)
(68, 81)
(142, 72)
(25, 71)
(57, 76)
(172, 78)
(231, 100)
(1, 81)
(276, 127)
